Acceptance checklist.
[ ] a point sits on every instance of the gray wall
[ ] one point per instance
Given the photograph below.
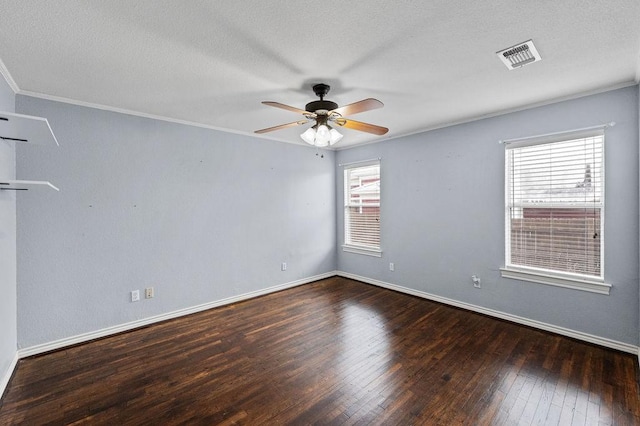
(8, 330)
(442, 215)
(200, 215)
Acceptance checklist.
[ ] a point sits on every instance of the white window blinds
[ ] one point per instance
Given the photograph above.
(555, 205)
(362, 206)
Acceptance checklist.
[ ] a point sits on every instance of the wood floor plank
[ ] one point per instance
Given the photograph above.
(335, 352)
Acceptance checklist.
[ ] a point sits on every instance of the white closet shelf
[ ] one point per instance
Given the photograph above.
(26, 129)
(26, 185)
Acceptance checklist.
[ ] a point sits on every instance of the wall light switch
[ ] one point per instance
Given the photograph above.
(392, 266)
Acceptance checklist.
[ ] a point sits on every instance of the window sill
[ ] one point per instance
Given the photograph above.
(362, 250)
(559, 281)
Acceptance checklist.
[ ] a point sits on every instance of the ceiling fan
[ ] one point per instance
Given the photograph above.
(325, 113)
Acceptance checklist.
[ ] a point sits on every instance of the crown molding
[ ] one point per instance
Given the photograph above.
(54, 98)
(144, 115)
(7, 76)
(123, 111)
(571, 97)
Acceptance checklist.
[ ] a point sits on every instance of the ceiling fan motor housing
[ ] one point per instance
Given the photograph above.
(321, 91)
(320, 105)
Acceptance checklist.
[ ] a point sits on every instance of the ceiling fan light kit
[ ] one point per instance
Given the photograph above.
(321, 134)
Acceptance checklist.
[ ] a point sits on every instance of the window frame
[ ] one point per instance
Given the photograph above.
(349, 246)
(595, 284)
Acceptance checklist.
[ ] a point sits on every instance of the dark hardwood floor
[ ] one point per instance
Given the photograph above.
(332, 352)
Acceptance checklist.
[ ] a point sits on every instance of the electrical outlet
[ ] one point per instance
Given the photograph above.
(135, 295)
(284, 266)
(476, 281)
(392, 266)
(148, 293)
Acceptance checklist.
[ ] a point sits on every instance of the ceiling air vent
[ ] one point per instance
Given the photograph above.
(519, 55)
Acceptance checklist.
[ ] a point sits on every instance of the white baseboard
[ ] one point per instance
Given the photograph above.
(4, 380)
(85, 337)
(602, 341)
(81, 338)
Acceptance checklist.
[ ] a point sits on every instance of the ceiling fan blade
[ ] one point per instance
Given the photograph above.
(282, 126)
(287, 107)
(360, 106)
(363, 127)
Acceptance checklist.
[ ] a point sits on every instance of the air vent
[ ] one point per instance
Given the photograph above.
(519, 55)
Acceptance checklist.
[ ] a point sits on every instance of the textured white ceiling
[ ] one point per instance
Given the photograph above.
(432, 63)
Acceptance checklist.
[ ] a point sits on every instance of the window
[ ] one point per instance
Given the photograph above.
(554, 210)
(362, 209)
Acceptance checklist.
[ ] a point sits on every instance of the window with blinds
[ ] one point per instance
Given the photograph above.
(555, 205)
(362, 209)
